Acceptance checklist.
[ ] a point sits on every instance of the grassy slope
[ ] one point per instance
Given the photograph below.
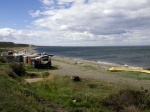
(14, 97)
(83, 96)
(54, 91)
(17, 96)
(91, 95)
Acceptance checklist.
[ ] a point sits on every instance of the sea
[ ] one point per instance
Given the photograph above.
(136, 56)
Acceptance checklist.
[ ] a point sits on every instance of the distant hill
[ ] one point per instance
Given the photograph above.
(11, 44)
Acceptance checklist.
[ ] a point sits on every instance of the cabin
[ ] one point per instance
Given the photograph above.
(41, 60)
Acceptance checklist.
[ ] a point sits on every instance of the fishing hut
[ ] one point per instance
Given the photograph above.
(41, 60)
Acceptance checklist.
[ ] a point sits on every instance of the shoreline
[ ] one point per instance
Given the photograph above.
(120, 56)
(68, 66)
(93, 70)
(104, 63)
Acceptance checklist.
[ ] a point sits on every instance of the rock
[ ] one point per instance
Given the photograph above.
(75, 78)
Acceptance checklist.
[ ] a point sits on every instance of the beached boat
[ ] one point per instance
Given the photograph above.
(115, 69)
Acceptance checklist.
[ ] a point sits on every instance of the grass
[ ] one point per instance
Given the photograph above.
(56, 93)
(129, 101)
(29, 68)
(134, 75)
(91, 95)
(84, 95)
(89, 67)
(13, 96)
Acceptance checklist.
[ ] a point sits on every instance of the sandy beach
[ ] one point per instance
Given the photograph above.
(91, 69)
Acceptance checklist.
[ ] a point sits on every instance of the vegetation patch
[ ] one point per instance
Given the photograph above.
(17, 68)
(2, 60)
(90, 67)
(29, 68)
(127, 100)
(14, 96)
(17, 96)
(83, 96)
(134, 75)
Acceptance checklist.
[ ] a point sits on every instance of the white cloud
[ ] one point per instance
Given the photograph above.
(47, 2)
(88, 22)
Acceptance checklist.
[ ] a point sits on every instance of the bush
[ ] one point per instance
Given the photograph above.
(2, 60)
(10, 73)
(18, 68)
(32, 75)
(126, 98)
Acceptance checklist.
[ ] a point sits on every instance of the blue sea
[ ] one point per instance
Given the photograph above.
(137, 56)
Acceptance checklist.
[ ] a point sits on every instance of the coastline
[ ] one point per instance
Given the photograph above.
(87, 55)
(27, 50)
(94, 70)
(97, 63)
(79, 60)
(104, 64)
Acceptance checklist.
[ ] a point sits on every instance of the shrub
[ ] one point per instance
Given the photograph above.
(18, 68)
(126, 98)
(32, 75)
(10, 73)
(2, 60)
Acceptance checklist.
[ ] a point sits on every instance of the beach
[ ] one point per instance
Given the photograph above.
(96, 82)
(92, 69)
(95, 71)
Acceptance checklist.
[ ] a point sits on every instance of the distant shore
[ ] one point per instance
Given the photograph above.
(27, 50)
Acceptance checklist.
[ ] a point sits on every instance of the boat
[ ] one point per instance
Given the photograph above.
(115, 69)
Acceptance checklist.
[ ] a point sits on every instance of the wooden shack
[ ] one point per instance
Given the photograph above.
(43, 61)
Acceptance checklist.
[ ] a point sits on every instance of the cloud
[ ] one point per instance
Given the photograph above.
(87, 22)
(47, 2)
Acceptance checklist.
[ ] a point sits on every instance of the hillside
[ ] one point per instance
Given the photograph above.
(11, 44)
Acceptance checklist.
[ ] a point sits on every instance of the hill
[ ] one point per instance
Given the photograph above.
(11, 44)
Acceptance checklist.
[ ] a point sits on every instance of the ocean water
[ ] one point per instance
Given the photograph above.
(137, 56)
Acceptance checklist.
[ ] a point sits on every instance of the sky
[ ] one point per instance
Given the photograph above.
(75, 22)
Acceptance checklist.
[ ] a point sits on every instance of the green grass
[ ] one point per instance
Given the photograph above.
(4, 65)
(91, 95)
(13, 96)
(29, 68)
(17, 96)
(84, 95)
(134, 75)
(57, 93)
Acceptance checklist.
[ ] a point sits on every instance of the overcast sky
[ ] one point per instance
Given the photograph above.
(75, 22)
